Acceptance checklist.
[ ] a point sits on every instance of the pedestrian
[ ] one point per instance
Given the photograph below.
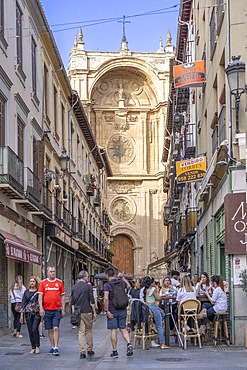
(83, 301)
(116, 317)
(52, 306)
(175, 279)
(15, 295)
(134, 292)
(30, 308)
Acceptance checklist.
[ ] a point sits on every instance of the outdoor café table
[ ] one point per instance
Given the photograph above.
(202, 298)
(167, 309)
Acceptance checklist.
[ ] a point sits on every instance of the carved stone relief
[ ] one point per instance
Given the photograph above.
(120, 149)
(122, 209)
(122, 187)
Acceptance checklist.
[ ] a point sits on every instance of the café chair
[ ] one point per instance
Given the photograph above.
(187, 315)
(220, 324)
(143, 326)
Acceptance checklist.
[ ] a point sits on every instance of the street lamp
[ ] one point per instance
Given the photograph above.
(64, 158)
(235, 72)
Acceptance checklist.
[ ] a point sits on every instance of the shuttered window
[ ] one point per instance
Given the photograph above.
(19, 35)
(20, 130)
(2, 121)
(34, 66)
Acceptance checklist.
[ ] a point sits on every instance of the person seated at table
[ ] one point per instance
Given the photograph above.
(167, 287)
(175, 279)
(203, 285)
(186, 291)
(217, 303)
(151, 296)
(134, 292)
(195, 279)
(223, 284)
(166, 291)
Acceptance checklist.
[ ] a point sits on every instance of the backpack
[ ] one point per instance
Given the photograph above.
(120, 298)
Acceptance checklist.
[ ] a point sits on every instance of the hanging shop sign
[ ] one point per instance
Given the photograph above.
(235, 223)
(189, 74)
(191, 169)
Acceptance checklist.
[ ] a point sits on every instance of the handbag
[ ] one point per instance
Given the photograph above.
(32, 307)
(18, 307)
(75, 318)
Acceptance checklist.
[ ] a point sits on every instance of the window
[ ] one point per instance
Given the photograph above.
(46, 89)
(63, 122)
(34, 66)
(55, 108)
(20, 128)
(19, 36)
(212, 27)
(1, 18)
(2, 121)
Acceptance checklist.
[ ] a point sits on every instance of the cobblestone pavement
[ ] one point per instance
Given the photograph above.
(14, 354)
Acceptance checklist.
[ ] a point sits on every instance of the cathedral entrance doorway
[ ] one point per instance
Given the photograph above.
(123, 258)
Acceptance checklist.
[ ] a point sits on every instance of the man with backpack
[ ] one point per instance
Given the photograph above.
(115, 306)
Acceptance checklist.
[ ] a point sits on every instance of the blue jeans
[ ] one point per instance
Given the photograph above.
(158, 317)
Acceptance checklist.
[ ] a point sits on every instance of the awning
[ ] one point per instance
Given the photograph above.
(162, 260)
(19, 249)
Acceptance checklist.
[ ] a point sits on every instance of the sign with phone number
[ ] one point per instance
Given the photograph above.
(193, 169)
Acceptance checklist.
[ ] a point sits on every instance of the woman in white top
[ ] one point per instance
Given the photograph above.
(15, 295)
(217, 303)
(186, 291)
(203, 285)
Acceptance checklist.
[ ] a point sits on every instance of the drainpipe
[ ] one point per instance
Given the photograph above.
(229, 174)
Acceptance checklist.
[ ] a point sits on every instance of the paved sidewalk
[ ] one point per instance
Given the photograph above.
(14, 354)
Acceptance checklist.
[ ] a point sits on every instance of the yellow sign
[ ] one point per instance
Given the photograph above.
(192, 169)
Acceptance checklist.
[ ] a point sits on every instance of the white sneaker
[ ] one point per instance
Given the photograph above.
(154, 344)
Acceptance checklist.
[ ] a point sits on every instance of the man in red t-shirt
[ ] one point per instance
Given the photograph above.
(52, 306)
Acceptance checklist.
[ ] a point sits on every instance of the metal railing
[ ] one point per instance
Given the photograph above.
(58, 211)
(66, 219)
(222, 125)
(33, 189)
(11, 169)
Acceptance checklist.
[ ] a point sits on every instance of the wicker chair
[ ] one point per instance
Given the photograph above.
(188, 310)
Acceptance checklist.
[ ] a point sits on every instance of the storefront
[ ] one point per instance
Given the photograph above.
(17, 257)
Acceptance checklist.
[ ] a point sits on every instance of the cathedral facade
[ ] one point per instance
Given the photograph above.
(125, 96)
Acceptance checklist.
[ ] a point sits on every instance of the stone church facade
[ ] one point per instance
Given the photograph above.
(125, 96)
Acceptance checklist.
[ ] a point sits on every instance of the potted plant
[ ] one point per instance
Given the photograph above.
(244, 280)
(90, 184)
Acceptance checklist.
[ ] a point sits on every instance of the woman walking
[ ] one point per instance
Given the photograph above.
(30, 307)
(15, 295)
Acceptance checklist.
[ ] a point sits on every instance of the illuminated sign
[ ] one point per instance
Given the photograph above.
(192, 169)
(189, 74)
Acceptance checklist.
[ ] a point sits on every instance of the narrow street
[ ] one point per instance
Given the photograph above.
(14, 354)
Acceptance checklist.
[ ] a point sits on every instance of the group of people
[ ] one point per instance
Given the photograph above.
(42, 301)
(214, 291)
(45, 302)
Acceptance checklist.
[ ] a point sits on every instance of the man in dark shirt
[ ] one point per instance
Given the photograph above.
(116, 318)
(82, 300)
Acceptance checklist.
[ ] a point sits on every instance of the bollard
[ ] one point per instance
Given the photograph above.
(246, 337)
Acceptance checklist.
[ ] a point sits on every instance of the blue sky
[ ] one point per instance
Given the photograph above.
(142, 33)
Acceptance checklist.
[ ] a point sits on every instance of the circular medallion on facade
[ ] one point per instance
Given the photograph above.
(120, 149)
(122, 209)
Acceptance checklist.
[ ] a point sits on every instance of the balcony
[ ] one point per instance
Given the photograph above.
(90, 184)
(96, 201)
(190, 140)
(212, 27)
(73, 225)
(181, 231)
(58, 211)
(191, 219)
(66, 219)
(79, 229)
(11, 173)
(31, 202)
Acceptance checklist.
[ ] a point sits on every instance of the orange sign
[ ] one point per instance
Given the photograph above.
(189, 74)
(192, 169)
